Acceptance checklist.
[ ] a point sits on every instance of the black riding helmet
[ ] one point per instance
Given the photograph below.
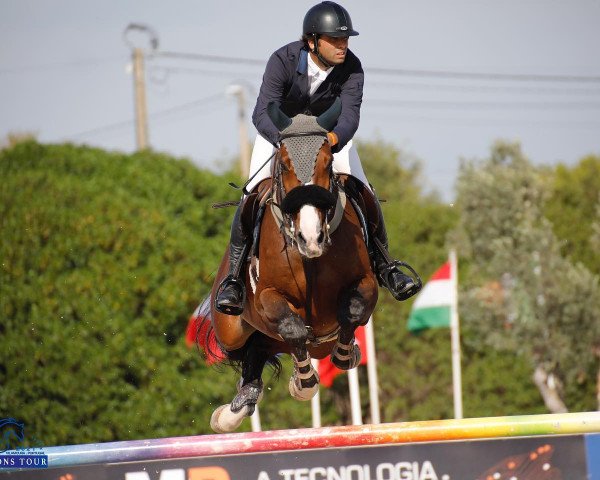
(328, 18)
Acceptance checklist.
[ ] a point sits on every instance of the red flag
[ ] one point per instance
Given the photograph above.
(196, 333)
(328, 371)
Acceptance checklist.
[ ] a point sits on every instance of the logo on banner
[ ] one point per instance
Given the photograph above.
(194, 473)
(12, 452)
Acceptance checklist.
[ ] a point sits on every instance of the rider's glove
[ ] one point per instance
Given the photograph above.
(332, 139)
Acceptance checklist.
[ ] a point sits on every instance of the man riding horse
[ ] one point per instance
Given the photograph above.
(306, 77)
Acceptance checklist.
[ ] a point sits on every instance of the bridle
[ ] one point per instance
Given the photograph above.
(279, 195)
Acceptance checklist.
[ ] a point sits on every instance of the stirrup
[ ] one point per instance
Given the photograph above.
(227, 309)
(385, 277)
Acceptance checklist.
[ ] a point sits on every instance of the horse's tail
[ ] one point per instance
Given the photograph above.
(200, 332)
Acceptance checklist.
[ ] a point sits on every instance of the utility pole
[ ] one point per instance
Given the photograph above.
(139, 83)
(240, 93)
(141, 112)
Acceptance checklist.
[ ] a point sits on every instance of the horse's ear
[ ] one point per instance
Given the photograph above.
(279, 119)
(329, 117)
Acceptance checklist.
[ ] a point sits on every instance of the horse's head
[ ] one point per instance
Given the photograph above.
(303, 174)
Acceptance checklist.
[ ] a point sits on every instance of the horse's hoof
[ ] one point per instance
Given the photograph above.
(238, 386)
(344, 359)
(302, 394)
(223, 420)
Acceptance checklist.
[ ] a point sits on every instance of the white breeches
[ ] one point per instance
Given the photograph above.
(345, 161)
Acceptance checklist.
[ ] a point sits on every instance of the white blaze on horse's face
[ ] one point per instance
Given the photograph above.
(310, 232)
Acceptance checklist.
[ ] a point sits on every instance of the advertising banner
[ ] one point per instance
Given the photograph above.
(592, 447)
(532, 458)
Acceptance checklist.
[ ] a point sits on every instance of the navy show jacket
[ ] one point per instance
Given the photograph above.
(286, 81)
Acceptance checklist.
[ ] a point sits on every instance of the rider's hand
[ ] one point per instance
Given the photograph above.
(332, 139)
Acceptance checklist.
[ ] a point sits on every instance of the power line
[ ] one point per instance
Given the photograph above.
(53, 66)
(156, 116)
(159, 69)
(477, 104)
(483, 122)
(210, 58)
(448, 74)
(529, 77)
(563, 90)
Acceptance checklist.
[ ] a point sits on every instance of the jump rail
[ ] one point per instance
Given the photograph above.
(311, 438)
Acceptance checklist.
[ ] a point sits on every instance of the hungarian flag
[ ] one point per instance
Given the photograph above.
(433, 305)
(328, 371)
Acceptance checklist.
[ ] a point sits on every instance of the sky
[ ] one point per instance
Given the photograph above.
(443, 79)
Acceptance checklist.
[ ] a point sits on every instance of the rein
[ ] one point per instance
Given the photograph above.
(243, 187)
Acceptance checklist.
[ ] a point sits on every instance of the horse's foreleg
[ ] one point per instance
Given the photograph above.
(228, 417)
(290, 326)
(355, 307)
(304, 383)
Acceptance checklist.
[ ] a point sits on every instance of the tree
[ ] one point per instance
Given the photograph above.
(104, 257)
(525, 296)
(571, 208)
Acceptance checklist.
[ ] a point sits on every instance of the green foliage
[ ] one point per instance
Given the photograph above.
(572, 208)
(394, 174)
(524, 296)
(104, 256)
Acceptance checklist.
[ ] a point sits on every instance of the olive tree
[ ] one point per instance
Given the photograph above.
(525, 296)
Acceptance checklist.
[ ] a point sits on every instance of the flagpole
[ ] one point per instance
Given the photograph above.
(354, 396)
(455, 339)
(372, 373)
(315, 402)
(255, 420)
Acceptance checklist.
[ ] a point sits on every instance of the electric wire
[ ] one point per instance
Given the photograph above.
(186, 107)
(53, 66)
(528, 77)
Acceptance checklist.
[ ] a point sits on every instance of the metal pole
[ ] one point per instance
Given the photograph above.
(455, 340)
(372, 373)
(141, 113)
(315, 402)
(255, 420)
(239, 92)
(244, 150)
(354, 396)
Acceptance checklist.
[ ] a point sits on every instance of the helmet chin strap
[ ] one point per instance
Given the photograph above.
(317, 53)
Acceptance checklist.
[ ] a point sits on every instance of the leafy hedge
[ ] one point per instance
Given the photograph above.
(104, 257)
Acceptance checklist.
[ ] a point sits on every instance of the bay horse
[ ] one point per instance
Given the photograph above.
(309, 283)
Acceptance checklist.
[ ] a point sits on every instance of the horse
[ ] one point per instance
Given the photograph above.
(310, 282)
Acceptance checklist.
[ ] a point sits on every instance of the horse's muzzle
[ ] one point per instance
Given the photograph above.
(314, 195)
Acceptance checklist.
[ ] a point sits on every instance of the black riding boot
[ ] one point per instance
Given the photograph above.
(389, 275)
(231, 294)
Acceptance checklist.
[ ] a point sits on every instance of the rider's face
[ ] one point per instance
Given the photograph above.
(332, 49)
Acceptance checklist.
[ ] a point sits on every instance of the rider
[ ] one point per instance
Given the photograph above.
(305, 77)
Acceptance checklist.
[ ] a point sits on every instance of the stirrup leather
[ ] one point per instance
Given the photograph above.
(227, 309)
